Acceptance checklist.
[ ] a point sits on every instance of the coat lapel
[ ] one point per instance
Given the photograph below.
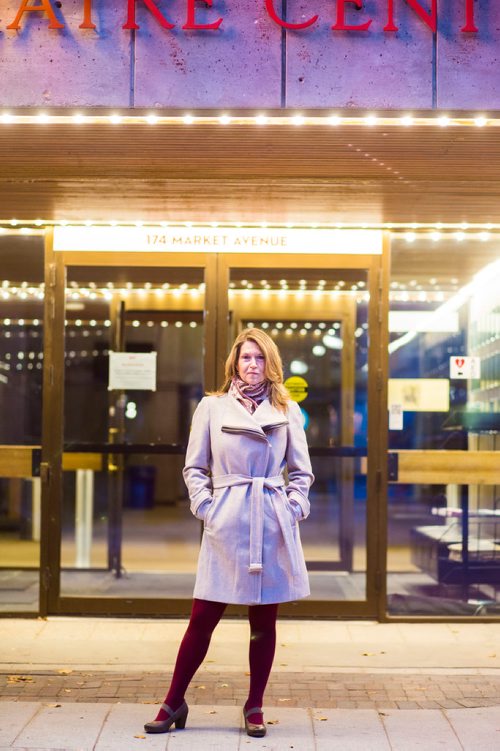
(237, 419)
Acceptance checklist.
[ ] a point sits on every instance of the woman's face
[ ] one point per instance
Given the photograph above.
(251, 363)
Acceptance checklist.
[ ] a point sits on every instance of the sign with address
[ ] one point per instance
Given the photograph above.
(218, 240)
(465, 367)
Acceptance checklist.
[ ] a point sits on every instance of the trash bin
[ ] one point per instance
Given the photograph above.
(140, 486)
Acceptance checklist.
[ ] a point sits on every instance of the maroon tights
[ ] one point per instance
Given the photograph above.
(205, 616)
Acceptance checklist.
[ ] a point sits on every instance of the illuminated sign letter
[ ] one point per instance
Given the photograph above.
(428, 17)
(285, 24)
(469, 16)
(191, 23)
(87, 16)
(44, 7)
(341, 24)
(131, 24)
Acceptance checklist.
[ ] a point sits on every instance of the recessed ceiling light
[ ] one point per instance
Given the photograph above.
(261, 119)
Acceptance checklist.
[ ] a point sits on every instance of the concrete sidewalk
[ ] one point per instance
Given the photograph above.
(91, 683)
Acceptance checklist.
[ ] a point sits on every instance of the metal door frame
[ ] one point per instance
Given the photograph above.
(216, 311)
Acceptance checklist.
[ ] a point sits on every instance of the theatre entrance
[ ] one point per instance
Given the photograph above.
(118, 534)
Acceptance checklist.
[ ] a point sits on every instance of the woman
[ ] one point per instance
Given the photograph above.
(242, 438)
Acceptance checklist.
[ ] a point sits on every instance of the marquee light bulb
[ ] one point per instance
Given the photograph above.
(115, 119)
(480, 121)
(188, 119)
(7, 118)
(371, 120)
(42, 118)
(224, 119)
(407, 120)
(298, 120)
(444, 121)
(334, 120)
(78, 118)
(484, 236)
(152, 119)
(261, 119)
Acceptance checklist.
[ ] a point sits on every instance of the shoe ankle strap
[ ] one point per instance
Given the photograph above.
(254, 710)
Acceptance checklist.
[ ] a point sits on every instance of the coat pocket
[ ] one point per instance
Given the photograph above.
(290, 509)
(209, 513)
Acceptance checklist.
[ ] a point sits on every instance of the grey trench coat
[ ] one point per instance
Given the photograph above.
(251, 551)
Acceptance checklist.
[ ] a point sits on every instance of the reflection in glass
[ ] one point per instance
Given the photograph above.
(444, 538)
(128, 531)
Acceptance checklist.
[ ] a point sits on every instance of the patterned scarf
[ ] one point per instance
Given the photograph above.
(250, 396)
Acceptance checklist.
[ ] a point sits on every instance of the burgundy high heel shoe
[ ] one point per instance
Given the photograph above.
(254, 729)
(163, 726)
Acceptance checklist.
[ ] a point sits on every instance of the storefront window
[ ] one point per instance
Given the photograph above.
(21, 369)
(444, 407)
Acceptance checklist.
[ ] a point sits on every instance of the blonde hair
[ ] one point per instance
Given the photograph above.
(278, 395)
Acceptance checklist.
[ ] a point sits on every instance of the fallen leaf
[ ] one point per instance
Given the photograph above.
(284, 664)
(224, 685)
(65, 671)
(321, 719)
(284, 700)
(202, 688)
(248, 673)
(368, 654)
(212, 711)
(139, 736)
(493, 655)
(19, 679)
(53, 706)
(273, 722)
(67, 690)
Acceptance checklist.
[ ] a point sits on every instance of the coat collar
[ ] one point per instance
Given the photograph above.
(237, 419)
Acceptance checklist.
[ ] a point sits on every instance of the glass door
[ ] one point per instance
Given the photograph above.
(128, 540)
(323, 315)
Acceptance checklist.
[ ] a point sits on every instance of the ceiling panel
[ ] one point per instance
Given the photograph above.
(248, 173)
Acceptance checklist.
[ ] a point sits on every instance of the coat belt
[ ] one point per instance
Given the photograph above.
(257, 515)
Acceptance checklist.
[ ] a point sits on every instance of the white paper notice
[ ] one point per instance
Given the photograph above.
(396, 417)
(465, 367)
(132, 371)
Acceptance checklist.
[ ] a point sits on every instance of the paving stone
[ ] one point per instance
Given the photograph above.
(355, 730)
(70, 726)
(476, 728)
(426, 729)
(13, 718)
